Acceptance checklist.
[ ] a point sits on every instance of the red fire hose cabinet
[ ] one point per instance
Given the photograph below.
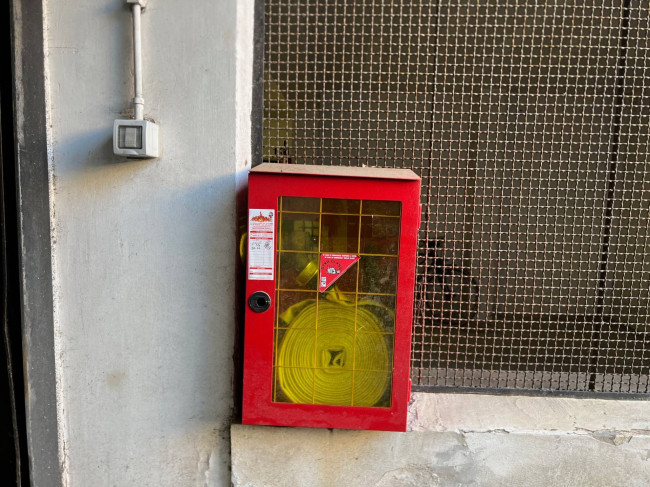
(329, 287)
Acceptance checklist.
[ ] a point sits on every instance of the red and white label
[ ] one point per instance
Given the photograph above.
(333, 266)
(261, 242)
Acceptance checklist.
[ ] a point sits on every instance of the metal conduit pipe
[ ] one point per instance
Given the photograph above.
(137, 137)
(138, 100)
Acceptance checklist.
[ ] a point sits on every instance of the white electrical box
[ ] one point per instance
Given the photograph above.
(135, 138)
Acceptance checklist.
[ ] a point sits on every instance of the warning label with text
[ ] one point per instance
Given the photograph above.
(333, 266)
(261, 242)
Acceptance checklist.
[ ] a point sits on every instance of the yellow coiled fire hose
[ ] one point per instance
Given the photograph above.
(334, 355)
(319, 370)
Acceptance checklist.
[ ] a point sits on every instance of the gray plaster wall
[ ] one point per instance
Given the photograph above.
(143, 275)
(144, 251)
(460, 440)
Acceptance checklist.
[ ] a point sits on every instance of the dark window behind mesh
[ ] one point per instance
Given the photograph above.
(528, 123)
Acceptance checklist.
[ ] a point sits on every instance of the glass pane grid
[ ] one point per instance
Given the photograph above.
(529, 126)
(341, 214)
(334, 347)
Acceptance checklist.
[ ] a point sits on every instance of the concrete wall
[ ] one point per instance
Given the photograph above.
(143, 272)
(144, 251)
(460, 440)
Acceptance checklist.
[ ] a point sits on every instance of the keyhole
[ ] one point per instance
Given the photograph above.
(259, 301)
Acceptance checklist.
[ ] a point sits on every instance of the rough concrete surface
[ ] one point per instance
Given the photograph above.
(483, 412)
(144, 251)
(474, 440)
(275, 456)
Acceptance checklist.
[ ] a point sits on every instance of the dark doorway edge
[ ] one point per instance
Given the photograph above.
(34, 242)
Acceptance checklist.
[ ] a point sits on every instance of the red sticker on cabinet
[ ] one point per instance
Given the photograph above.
(333, 266)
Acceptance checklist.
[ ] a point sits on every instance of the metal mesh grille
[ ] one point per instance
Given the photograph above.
(528, 123)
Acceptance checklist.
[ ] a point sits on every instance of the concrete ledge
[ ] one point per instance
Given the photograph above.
(480, 412)
(459, 439)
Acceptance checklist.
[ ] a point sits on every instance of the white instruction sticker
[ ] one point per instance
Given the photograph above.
(261, 242)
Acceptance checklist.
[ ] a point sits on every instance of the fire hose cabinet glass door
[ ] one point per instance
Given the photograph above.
(331, 257)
